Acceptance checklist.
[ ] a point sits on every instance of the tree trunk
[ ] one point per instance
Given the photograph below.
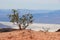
(25, 27)
(20, 27)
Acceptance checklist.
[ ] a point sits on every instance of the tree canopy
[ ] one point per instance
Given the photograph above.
(25, 20)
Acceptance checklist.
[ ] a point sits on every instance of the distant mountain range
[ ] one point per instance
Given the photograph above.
(40, 16)
(22, 11)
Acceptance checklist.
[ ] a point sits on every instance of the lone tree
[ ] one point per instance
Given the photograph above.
(23, 22)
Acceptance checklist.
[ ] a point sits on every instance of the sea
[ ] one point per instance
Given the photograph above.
(39, 16)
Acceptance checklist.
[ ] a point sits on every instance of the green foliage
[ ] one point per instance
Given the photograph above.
(14, 17)
(25, 20)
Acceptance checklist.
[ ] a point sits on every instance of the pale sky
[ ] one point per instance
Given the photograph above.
(30, 4)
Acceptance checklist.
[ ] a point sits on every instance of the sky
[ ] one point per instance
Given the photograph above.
(30, 4)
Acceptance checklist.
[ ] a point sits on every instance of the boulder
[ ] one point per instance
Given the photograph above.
(58, 30)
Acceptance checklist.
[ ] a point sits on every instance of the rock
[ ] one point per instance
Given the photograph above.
(58, 30)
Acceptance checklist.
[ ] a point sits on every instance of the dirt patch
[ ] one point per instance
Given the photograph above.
(29, 35)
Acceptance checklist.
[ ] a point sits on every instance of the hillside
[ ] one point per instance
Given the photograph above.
(29, 35)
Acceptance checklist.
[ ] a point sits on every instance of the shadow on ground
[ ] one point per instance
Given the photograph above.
(5, 28)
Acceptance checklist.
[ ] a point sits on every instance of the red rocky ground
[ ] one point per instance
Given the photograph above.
(29, 35)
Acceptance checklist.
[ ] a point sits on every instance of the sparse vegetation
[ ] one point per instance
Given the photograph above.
(46, 29)
(14, 17)
(25, 20)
